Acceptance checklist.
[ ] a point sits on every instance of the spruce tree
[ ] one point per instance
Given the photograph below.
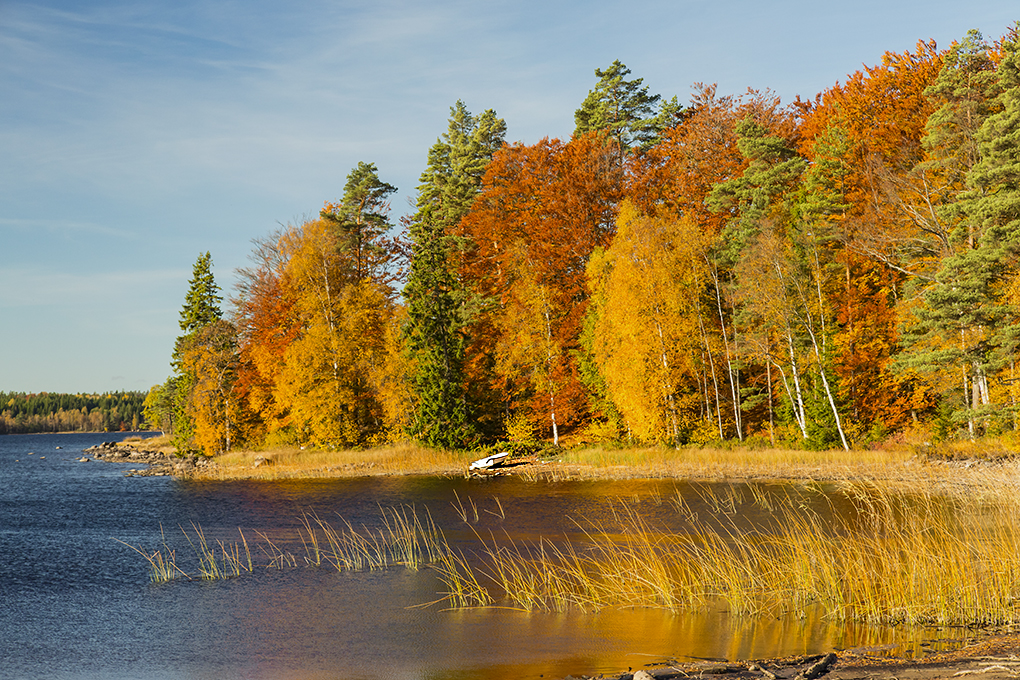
(202, 303)
(201, 308)
(437, 301)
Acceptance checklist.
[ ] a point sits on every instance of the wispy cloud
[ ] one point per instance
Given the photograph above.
(47, 287)
(138, 134)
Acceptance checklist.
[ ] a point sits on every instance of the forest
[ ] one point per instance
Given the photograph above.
(22, 413)
(820, 273)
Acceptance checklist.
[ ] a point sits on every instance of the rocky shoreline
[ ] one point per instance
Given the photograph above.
(994, 658)
(158, 464)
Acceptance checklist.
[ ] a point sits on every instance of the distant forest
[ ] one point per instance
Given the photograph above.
(22, 413)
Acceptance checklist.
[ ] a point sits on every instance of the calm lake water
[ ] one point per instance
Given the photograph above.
(75, 603)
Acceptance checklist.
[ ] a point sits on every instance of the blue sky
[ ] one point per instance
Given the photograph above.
(136, 135)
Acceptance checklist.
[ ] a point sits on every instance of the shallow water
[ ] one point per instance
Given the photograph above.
(78, 604)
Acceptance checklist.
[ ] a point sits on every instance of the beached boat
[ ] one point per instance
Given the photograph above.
(495, 460)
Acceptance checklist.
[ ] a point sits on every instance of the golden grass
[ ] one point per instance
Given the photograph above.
(159, 443)
(297, 463)
(934, 539)
(581, 463)
(922, 558)
(905, 462)
(744, 463)
(406, 540)
(904, 554)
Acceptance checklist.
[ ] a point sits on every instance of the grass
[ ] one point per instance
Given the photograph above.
(922, 558)
(406, 539)
(907, 458)
(904, 554)
(743, 463)
(934, 536)
(297, 463)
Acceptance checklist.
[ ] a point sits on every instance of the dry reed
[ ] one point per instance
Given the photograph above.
(405, 539)
(917, 559)
(904, 553)
(299, 463)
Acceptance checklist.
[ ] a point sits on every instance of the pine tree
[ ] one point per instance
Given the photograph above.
(966, 89)
(362, 218)
(967, 320)
(437, 302)
(625, 110)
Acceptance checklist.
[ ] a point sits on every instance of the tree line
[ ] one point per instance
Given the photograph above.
(22, 413)
(826, 272)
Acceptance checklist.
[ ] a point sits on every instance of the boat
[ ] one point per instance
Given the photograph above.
(495, 460)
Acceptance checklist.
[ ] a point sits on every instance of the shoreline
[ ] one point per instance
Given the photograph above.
(892, 469)
(894, 466)
(995, 657)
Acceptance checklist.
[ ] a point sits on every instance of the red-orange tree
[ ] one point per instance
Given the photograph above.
(543, 209)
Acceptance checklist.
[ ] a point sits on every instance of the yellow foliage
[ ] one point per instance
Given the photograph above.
(519, 427)
(331, 374)
(209, 357)
(645, 291)
(529, 351)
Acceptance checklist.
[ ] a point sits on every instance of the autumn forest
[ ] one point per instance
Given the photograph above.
(817, 273)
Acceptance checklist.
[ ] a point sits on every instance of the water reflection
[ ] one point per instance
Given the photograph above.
(77, 604)
(364, 620)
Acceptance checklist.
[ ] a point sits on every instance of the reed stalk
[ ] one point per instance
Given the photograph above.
(915, 559)
(911, 556)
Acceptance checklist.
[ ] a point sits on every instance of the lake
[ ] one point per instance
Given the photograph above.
(77, 603)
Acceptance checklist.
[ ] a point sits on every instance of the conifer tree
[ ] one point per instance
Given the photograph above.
(362, 218)
(202, 302)
(966, 90)
(438, 304)
(967, 320)
(201, 309)
(625, 109)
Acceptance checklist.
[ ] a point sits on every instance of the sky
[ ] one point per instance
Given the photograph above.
(135, 136)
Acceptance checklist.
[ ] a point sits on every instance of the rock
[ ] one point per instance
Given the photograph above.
(83, 459)
(643, 675)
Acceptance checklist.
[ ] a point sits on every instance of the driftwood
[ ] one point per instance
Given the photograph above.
(764, 671)
(817, 669)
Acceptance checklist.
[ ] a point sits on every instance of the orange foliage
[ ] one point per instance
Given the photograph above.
(881, 114)
(883, 111)
(680, 172)
(545, 208)
(267, 325)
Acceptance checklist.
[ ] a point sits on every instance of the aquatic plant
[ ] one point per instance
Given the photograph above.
(914, 556)
(899, 558)
(406, 539)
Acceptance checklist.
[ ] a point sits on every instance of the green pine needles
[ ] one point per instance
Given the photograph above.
(438, 303)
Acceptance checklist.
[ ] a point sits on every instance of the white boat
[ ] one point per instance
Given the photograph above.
(495, 460)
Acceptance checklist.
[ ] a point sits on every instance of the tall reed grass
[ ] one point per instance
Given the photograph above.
(890, 555)
(405, 539)
(916, 559)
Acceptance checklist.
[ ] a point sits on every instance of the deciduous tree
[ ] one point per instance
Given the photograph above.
(645, 291)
